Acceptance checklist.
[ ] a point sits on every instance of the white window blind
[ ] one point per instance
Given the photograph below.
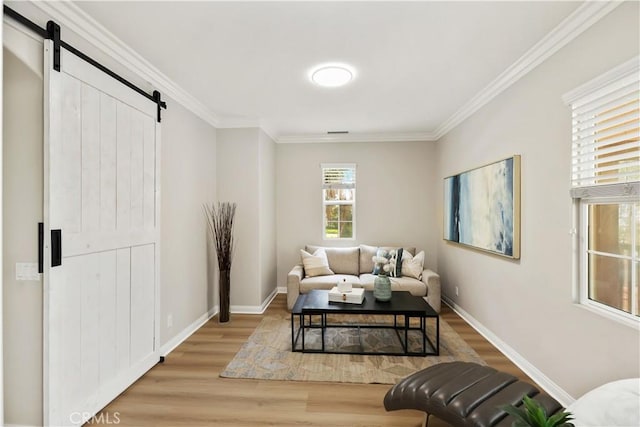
(336, 177)
(606, 130)
(605, 182)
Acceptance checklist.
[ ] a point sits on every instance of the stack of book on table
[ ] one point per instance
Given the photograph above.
(353, 296)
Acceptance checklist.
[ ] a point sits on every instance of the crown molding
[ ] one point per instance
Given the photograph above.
(626, 69)
(357, 137)
(572, 26)
(231, 122)
(269, 130)
(75, 19)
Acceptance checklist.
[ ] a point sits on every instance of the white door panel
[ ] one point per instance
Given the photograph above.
(108, 172)
(107, 315)
(101, 190)
(90, 160)
(142, 289)
(123, 308)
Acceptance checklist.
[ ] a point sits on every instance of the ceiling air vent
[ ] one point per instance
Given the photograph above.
(337, 132)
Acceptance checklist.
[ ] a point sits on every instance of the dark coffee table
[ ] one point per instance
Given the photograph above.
(402, 304)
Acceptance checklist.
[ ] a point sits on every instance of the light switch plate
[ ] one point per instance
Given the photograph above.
(27, 271)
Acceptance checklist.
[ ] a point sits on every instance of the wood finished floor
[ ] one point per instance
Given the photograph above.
(186, 391)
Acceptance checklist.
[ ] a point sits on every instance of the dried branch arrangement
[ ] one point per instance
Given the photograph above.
(220, 221)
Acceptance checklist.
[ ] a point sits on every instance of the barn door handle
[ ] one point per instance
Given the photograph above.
(56, 248)
(40, 247)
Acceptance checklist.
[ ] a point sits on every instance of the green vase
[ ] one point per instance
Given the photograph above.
(382, 288)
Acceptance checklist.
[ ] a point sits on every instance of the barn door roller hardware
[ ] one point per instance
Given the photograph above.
(52, 32)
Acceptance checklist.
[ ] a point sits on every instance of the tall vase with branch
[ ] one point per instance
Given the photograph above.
(220, 220)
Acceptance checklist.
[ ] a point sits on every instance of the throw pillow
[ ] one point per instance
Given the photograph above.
(366, 255)
(395, 260)
(377, 267)
(394, 256)
(316, 264)
(412, 266)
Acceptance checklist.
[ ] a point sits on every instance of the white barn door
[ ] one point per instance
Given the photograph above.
(101, 161)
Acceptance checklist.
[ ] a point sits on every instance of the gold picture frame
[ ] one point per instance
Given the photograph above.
(482, 208)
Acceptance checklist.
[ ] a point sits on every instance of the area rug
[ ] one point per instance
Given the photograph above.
(267, 355)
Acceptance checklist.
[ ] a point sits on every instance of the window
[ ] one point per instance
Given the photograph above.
(338, 200)
(611, 251)
(606, 189)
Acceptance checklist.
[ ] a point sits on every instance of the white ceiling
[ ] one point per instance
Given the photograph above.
(417, 62)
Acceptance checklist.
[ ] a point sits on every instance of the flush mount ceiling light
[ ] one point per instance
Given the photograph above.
(332, 75)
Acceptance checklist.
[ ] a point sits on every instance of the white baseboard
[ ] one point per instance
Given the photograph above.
(197, 324)
(186, 332)
(254, 309)
(534, 373)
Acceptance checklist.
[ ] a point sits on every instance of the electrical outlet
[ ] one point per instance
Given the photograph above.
(170, 321)
(456, 291)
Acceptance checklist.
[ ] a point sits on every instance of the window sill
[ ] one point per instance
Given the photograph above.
(619, 318)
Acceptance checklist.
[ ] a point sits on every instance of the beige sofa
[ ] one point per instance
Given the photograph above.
(355, 265)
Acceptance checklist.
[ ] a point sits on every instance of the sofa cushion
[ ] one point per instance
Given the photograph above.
(415, 286)
(327, 282)
(412, 266)
(341, 260)
(316, 264)
(366, 254)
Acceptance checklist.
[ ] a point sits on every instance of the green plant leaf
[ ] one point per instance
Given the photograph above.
(519, 415)
(561, 419)
(536, 414)
(532, 414)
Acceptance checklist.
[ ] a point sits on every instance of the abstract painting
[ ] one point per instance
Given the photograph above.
(482, 208)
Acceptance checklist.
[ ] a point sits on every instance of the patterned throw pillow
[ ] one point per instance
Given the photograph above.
(412, 266)
(394, 256)
(316, 264)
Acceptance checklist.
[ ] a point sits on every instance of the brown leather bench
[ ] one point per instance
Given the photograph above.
(464, 394)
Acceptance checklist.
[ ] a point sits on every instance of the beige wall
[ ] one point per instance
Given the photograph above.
(188, 179)
(528, 303)
(245, 176)
(238, 179)
(267, 194)
(22, 201)
(188, 168)
(395, 196)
